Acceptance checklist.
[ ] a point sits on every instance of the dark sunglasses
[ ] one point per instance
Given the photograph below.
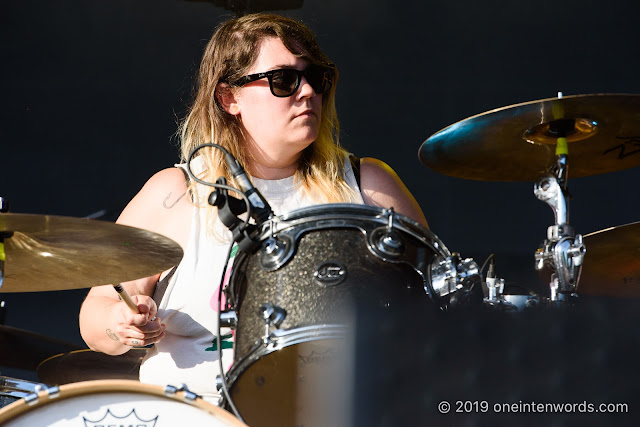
(285, 82)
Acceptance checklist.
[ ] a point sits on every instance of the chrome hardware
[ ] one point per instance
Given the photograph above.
(275, 252)
(390, 215)
(31, 399)
(170, 390)
(272, 315)
(563, 251)
(50, 393)
(219, 384)
(496, 288)
(189, 396)
(228, 318)
(549, 191)
(387, 243)
(451, 274)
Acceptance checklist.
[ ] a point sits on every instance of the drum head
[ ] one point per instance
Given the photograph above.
(298, 385)
(114, 402)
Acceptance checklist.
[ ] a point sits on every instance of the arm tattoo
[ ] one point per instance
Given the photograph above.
(111, 335)
(164, 202)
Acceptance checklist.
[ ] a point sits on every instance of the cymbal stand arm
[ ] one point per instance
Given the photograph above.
(563, 250)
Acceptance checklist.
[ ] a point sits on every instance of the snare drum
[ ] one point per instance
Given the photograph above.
(294, 295)
(114, 402)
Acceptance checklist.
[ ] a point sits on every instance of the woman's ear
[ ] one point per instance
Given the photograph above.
(227, 99)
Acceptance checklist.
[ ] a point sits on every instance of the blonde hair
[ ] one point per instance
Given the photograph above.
(228, 56)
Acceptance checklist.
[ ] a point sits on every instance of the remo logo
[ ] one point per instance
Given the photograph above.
(130, 420)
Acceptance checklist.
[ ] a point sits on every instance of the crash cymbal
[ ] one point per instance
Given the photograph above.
(48, 253)
(25, 350)
(518, 142)
(87, 365)
(612, 263)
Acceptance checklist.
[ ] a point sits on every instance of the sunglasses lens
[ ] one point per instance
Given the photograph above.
(319, 78)
(284, 82)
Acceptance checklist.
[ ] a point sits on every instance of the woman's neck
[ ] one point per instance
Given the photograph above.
(272, 172)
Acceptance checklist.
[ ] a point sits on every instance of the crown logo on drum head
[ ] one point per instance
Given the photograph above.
(330, 273)
(131, 419)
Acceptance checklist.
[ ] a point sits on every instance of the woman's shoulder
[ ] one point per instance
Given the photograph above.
(161, 206)
(381, 186)
(376, 169)
(169, 178)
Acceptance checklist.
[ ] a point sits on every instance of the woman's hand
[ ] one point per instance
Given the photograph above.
(141, 329)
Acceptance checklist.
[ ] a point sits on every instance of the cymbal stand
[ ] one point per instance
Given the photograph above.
(563, 250)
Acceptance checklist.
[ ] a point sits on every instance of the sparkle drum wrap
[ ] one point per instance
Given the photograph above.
(315, 264)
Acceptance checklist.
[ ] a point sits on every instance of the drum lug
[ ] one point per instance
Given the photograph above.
(387, 243)
(272, 315)
(275, 252)
(228, 319)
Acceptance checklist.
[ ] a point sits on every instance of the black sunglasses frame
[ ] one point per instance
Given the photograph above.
(327, 72)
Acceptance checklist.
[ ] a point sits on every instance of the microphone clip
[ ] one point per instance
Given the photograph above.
(229, 210)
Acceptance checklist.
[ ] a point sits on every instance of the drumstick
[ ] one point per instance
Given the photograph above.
(126, 298)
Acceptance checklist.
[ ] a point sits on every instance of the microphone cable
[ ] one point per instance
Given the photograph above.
(216, 185)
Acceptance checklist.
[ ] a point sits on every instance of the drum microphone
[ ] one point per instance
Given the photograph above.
(260, 209)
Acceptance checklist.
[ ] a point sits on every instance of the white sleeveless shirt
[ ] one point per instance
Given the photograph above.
(188, 353)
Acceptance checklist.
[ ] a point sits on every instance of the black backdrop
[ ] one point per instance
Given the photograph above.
(92, 92)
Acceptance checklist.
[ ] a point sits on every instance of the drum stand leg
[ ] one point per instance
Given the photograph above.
(563, 250)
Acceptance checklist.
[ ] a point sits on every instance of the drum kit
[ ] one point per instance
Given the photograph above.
(298, 276)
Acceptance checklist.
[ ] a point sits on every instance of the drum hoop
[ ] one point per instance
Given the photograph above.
(280, 339)
(84, 388)
(348, 211)
(292, 226)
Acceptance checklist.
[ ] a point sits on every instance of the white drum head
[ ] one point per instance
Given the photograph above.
(114, 402)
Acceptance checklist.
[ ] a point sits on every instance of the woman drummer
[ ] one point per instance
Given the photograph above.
(266, 93)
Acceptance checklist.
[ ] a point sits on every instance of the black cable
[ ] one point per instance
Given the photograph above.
(225, 387)
(216, 185)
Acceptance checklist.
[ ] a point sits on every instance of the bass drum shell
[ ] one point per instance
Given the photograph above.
(114, 402)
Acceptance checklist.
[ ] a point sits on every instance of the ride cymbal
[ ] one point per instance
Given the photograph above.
(50, 253)
(88, 365)
(611, 265)
(518, 142)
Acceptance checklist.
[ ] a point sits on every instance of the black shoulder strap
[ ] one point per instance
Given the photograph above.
(355, 165)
